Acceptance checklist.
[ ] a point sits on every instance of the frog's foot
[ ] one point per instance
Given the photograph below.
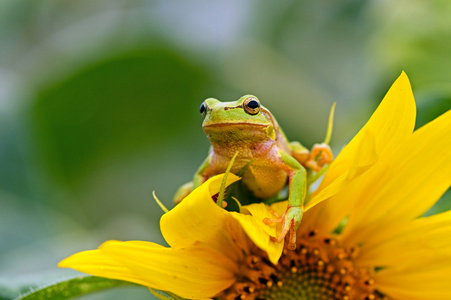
(290, 222)
(320, 155)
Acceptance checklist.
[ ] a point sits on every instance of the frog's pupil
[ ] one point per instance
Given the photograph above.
(253, 104)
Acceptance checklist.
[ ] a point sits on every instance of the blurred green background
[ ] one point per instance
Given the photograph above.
(99, 103)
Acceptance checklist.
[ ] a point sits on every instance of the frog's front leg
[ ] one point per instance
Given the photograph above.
(291, 219)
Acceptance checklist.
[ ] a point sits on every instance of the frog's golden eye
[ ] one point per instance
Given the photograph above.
(251, 105)
(203, 108)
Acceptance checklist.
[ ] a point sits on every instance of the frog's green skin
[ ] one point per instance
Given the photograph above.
(246, 127)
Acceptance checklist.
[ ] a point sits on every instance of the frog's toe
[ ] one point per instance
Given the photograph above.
(290, 220)
(277, 219)
(269, 221)
(313, 165)
(320, 155)
(292, 236)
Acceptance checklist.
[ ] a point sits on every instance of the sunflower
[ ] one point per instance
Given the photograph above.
(362, 235)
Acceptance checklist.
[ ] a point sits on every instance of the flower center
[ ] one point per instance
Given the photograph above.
(319, 268)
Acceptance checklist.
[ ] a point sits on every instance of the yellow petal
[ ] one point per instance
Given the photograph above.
(96, 263)
(390, 125)
(405, 184)
(344, 191)
(402, 245)
(261, 211)
(259, 232)
(328, 191)
(419, 283)
(207, 246)
(192, 273)
(198, 219)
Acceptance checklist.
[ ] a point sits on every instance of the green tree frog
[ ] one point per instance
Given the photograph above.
(249, 129)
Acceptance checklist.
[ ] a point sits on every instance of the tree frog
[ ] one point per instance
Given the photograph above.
(249, 129)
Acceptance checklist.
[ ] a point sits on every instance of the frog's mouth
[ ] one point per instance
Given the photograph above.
(235, 124)
(237, 128)
(235, 131)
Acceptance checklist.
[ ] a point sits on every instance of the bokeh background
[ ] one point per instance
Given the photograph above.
(99, 103)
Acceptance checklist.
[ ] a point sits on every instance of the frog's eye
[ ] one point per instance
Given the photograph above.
(251, 105)
(203, 108)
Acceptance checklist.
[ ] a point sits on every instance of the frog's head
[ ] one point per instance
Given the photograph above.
(242, 120)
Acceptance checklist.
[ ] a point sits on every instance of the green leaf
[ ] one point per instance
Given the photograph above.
(73, 287)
